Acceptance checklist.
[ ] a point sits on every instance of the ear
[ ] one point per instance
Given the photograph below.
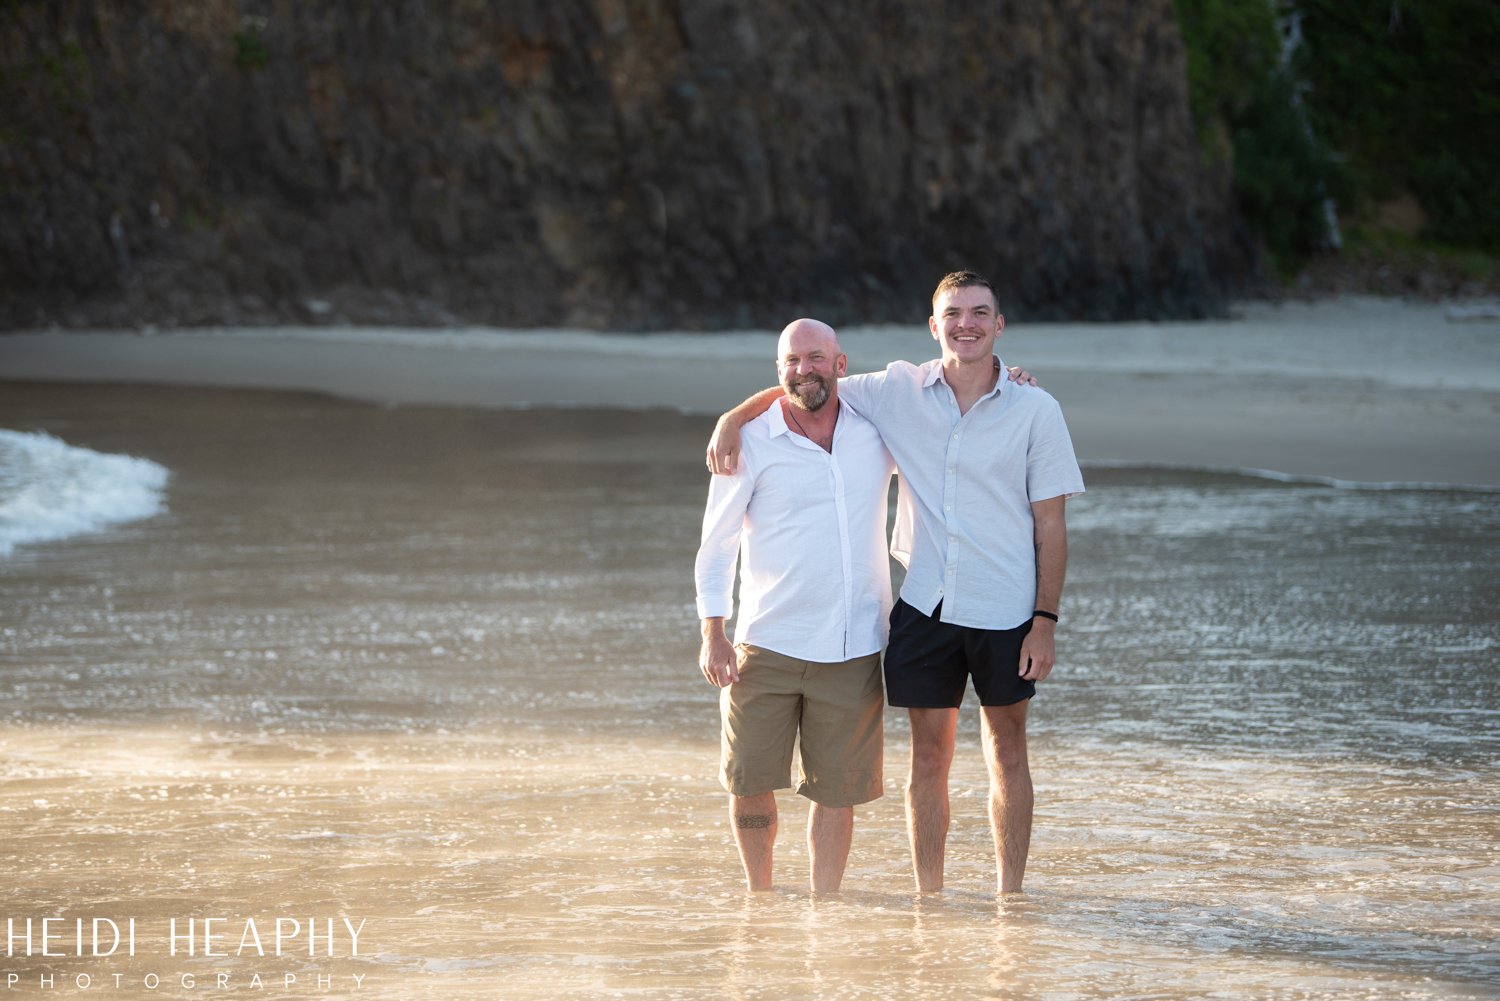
(840, 365)
(999, 325)
(932, 326)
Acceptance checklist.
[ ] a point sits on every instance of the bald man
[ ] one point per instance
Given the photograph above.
(804, 515)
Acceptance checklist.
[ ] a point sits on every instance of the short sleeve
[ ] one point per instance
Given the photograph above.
(863, 392)
(1051, 465)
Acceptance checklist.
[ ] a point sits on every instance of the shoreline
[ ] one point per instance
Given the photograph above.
(1358, 391)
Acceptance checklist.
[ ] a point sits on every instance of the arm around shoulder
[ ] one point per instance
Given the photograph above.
(724, 444)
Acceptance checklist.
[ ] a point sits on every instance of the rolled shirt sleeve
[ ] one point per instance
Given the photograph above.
(1051, 464)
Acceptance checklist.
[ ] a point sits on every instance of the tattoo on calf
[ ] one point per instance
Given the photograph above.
(752, 821)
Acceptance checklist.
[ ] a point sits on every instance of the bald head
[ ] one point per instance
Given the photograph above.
(804, 334)
(809, 362)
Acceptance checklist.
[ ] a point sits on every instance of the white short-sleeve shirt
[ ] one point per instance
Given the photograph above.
(807, 528)
(964, 527)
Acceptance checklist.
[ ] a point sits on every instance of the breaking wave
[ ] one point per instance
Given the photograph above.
(50, 490)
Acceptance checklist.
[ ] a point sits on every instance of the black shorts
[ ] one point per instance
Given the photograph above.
(928, 663)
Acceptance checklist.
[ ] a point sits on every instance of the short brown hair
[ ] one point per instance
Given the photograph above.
(963, 279)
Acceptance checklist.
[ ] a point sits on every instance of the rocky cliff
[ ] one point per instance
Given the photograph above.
(599, 163)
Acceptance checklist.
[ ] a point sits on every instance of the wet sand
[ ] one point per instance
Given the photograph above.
(1362, 390)
(487, 864)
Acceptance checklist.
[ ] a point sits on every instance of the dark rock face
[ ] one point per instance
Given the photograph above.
(598, 163)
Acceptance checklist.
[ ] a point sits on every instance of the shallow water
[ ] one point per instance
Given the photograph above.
(433, 669)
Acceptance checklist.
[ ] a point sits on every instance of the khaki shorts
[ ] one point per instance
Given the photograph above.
(836, 707)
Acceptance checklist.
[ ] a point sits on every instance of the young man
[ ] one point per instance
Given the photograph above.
(986, 467)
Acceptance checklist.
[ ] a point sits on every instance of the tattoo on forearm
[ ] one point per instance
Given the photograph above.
(752, 821)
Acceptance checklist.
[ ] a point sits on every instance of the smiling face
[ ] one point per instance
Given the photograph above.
(809, 363)
(966, 322)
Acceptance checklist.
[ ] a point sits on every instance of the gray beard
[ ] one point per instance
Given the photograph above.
(810, 404)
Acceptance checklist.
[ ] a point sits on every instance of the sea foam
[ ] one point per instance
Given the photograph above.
(50, 490)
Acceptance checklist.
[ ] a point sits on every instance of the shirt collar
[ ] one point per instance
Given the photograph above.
(778, 420)
(935, 374)
(779, 425)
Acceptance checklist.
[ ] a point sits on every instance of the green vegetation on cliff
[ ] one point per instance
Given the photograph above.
(1410, 94)
(1399, 120)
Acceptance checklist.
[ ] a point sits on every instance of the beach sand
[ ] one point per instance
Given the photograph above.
(1362, 390)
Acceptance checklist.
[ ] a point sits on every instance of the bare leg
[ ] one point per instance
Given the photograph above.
(754, 821)
(1010, 791)
(829, 832)
(932, 735)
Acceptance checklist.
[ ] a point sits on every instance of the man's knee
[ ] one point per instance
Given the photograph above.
(931, 758)
(832, 814)
(754, 811)
(1010, 755)
(1005, 734)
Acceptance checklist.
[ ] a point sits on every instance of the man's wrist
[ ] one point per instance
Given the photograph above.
(1044, 615)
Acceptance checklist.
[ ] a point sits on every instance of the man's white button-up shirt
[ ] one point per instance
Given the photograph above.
(964, 527)
(808, 530)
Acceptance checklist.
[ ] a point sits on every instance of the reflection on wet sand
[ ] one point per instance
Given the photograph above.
(433, 670)
(488, 862)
